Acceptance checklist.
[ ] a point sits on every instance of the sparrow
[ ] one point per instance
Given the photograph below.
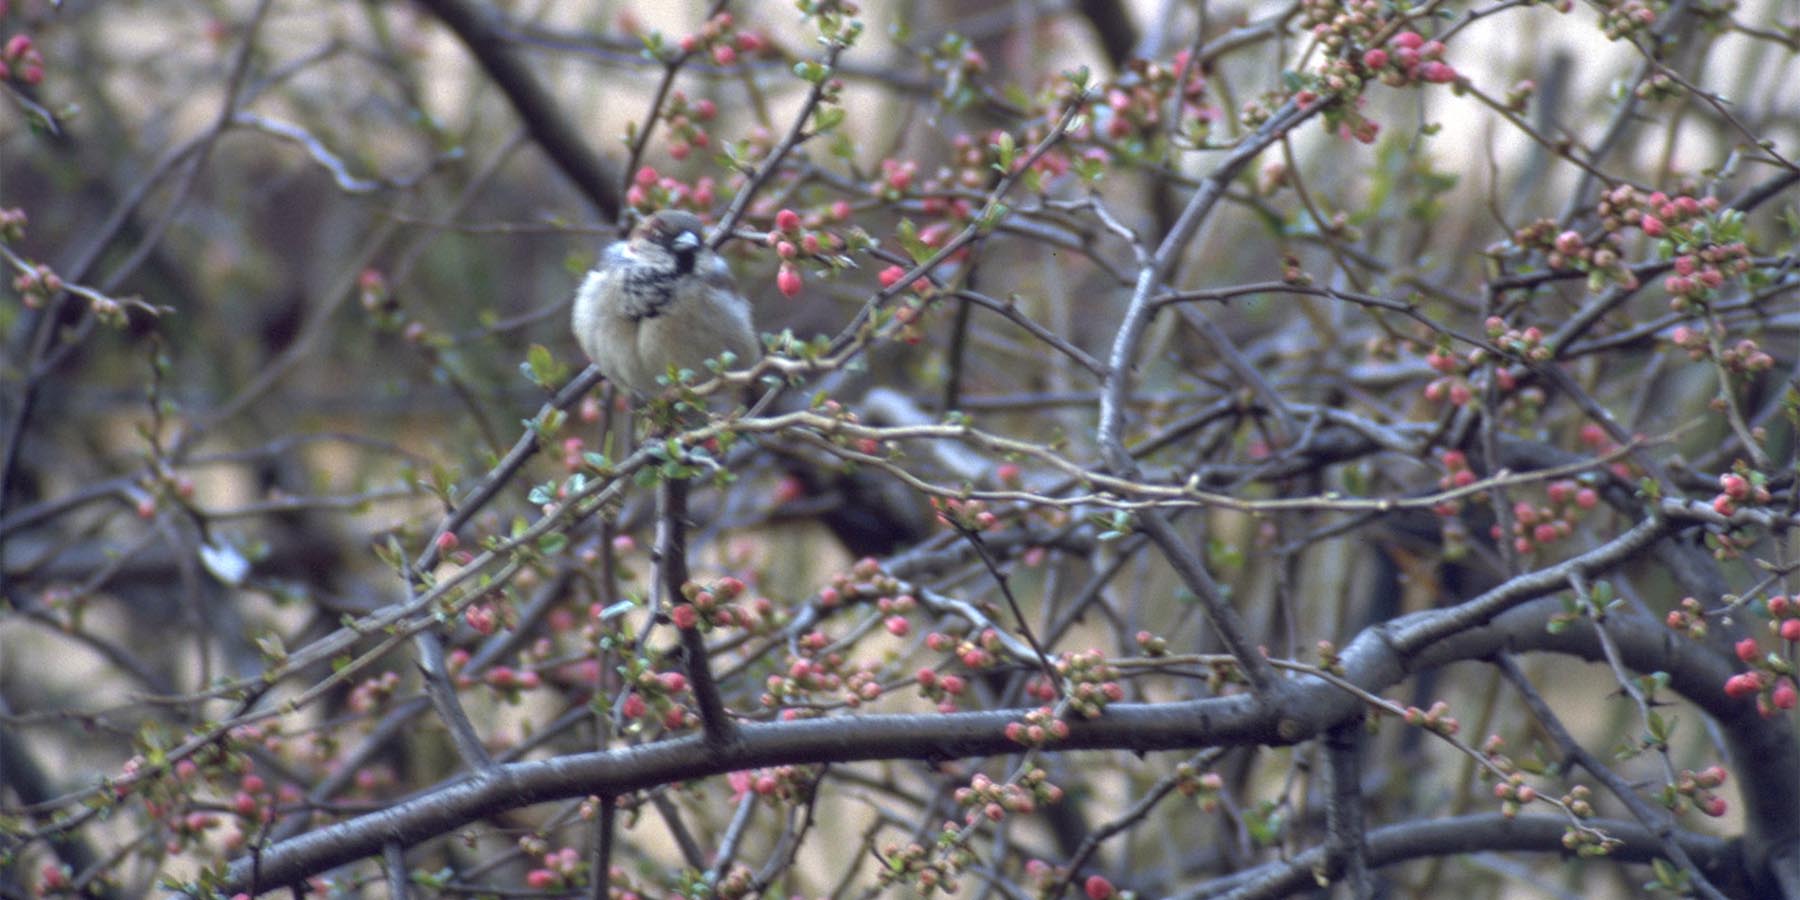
(659, 300)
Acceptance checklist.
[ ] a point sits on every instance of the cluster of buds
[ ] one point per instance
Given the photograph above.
(914, 864)
(711, 606)
(1688, 618)
(958, 62)
(1457, 386)
(1659, 86)
(37, 285)
(1743, 487)
(1457, 474)
(510, 683)
(561, 869)
(1770, 679)
(187, 829)
(895, 611)
(1525, 343)
(686, 120)
(787, 783)
(793, 240)
(1137, 106)
(818, 669)
(864, 581)
(863, 683)
(371, 694)
(1697, 788)
(1597, 440)
(921, 284)
(985, 798)
(651, 190)
(1585, 842)
(1205, 787)
(253, 801)
(814, 672)
(941, 689)
(723, 41)
(1151, 644)
(1092, 682)
(1628, 19)
(486, 617)
(1538, 525)
(979, 653)
(1784, 617)
(1601, 258)
(1745, 357)
(909, 314)
(1436, 719)
(1700, 238)
(12, 225)
(1513, 793)
(1703, 270)
(897, 176)
(20, 61)
(1656, 214)
(1408, 58)
(964, 515)
(1039, 728)
(655, 696)
(1694, 340)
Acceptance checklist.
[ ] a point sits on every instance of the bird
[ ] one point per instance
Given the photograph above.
(659, 300)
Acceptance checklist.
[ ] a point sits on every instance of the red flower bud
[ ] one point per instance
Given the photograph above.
(1747, 649)
(1097, 888)
(787, 279)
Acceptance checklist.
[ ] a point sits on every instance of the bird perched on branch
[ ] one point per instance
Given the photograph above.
(662, 300)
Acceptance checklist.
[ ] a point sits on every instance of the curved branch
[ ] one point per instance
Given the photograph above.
(548, 125)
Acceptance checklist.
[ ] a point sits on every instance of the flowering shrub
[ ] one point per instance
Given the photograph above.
(1337, 434)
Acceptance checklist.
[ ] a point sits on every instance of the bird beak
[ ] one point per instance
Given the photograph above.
(686, 242)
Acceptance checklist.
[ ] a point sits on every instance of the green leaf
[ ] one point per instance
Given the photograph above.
(542, 368)
(542, 494)
(828, 118)
(1005, 151)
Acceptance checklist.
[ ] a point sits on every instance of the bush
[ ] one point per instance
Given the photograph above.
(1270, 446)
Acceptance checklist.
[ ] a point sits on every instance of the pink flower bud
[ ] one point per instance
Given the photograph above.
(787, 279)
(1747, 649)
(1097, 888)
(1784, 696)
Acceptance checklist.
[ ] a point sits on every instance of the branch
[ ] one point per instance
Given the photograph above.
(548, 125)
